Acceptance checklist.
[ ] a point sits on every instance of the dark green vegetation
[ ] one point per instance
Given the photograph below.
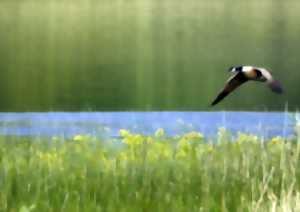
(144, 54)
(153, 173)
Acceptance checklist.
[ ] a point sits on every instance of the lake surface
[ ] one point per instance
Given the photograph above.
(108, 124)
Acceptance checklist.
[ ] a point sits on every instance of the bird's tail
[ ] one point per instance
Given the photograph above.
(275, 86)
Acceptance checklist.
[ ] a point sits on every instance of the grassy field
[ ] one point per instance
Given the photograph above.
(150, 173)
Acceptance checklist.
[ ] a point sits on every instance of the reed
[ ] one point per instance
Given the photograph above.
(150, 173)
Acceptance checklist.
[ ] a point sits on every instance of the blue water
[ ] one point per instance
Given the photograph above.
(107, 124)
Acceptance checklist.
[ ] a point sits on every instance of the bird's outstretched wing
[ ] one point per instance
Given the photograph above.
(275, 86)
(231, 84)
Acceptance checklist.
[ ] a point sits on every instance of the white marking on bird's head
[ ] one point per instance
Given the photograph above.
(232, 69)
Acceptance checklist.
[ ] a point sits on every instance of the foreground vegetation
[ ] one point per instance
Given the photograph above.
(150, 173)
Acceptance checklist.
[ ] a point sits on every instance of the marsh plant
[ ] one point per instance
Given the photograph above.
(150, 173)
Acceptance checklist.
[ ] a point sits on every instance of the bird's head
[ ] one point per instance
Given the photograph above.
(235, 69)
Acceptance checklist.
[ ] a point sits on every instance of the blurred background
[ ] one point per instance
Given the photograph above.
(63, 55)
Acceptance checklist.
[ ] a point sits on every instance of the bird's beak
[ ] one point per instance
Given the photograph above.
(230, 69)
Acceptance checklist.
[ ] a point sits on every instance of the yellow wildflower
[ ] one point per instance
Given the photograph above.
(243, 138)
(78, 138)
(193, 136)
(181, 154)
(149, 140)
(124, 133)
(162, 150)
(210, 149)
(133, 139)
(276, 140)
(184, 144)
(123, 156)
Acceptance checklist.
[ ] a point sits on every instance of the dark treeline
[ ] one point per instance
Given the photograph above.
(144, 54)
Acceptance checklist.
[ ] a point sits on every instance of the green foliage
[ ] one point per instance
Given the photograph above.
(149, 173)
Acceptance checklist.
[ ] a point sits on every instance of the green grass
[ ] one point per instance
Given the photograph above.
(150, 173)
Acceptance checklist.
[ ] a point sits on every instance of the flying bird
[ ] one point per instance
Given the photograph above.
(244, 74)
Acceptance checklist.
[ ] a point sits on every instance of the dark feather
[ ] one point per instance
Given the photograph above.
(231, 84)
(275, 86)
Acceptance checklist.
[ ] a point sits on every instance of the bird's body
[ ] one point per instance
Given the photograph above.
(244, 74)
